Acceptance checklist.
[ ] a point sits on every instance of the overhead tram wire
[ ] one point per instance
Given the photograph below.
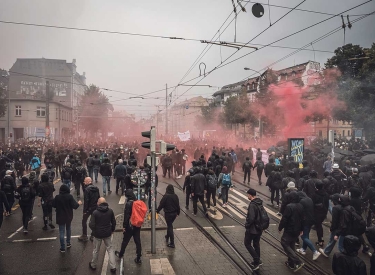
(315, 24)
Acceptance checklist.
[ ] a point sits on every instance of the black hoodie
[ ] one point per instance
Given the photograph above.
(348, 263)
(253, 216)
(64, 204)
(292, 220)
(170, 202)
(102, 222)
(345, 217)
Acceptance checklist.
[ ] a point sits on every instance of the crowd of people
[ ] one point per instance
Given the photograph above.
(302, 196)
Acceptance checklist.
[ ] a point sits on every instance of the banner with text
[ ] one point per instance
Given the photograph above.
(296, 148)
(184, 136)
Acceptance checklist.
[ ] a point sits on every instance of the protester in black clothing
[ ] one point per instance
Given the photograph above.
(45, 192)
(270, 167)
(292, 223)
(274, 183)
(50, 173)
(370, 235)
(8, 186)
(103, 224)
(253, 231)
(171, 205)
(187, 187)
(246, 168)
(370, 197)
(309, 185)
(167, 165)
(34, 183)
(26, 194)
(3, 203)
(347, 262)
(321, 204)
(79, 175)
(284, 183)
(106, 172)
(90, 165)
(212, 183)
(119, 174)
(96, 167)
(91, 196)
(259, 165)
(130, 230)
(198, 189)
(64, 204)
(344, 226)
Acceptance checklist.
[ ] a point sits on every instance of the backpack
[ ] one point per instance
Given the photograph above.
(67, 174)
(26, 194)
(139, 210)
(260, 165)
(263, 221)
(358, 224)
(79, 174)
(226, 179)
(247, 165)
(212, 181)
(49, 174)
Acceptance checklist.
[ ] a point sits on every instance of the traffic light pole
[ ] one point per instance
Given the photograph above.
(153, 204)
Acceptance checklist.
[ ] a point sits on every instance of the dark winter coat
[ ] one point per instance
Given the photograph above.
(91, 197)
(309, 186)
(286, 199)
(45, 191)
(308, 208)
(8, 185)
(336, 213)
(292, 219)
(198, 184)
(269, 168)
(187, 183)
(102, 222)
(120, 171)
(170, 202)
(246, 167)
(321, 204)
(253, 216)
(345, 217)
(32, 195)
(67, 173)
(4, 202)
(348, 263)
(64, 204)
(105, 170)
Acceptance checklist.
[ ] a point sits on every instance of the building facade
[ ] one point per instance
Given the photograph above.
(26, 94)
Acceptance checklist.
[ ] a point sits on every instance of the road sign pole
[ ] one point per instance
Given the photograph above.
(153, 204)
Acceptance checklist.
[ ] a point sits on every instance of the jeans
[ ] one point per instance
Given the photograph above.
(305, 238)
(288, 242)
(106, 181)
(96, 171)
(273, 191)
(134, 232)
(62, 228)
(195, 203)
(26, 212)
(330, 206)
(111, 253)
(90, 171)
(77, 186)
(246, 174)
(224, 193)
(211, 193)
(169, 218)
(254, 249)
(120, 183)
(85, 217)
(341, 244)
(67, 182)
(331, 244)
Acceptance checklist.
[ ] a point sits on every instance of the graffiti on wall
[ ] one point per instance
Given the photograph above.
(296, 148)
(39, 88)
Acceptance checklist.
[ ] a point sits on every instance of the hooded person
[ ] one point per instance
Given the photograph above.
(348, 262)
(45, 192)
(370, 235)
(130, 230)
(26, 195)
(64, 204)
(171, 205)
(321, 204)
(344, 227)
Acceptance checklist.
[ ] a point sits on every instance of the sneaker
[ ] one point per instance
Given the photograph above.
(297, 243)
(301, 251)
(298, 267)
(117, 254)
(52, 226)
(194, 214)
(45, 227)
(113, 270)
(138, 260)
(254, 266)
(83, 238)
(287, 264)
(320, 244)
(25, 231)
(316, 255)
(68, 245)
(224, 205)
(187, 207)
(92, 267)
(321, 250)
(62, 250)
(171, 245)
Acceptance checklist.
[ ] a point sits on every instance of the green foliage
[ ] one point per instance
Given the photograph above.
(356, 85)
(209, 112)
(94, 107)
(237, 110)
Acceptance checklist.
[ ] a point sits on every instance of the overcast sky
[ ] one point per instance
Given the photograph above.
(141, 65)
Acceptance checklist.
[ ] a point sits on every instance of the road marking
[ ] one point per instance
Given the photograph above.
(187, 228)
(161, 266)
(74, 236)
(46, 239)
(19, 229)
(227, 226)
(24, 240)
(207, 227)
(122, 200)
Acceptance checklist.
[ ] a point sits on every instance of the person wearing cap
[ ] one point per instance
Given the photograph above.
(26, 195)
(8, 186)
(291, 187)
(338, 175)
(253, 232)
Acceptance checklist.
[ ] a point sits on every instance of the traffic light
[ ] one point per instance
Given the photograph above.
(165, 147)
(152, 136)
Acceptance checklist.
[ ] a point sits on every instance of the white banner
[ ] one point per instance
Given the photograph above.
(184, 136)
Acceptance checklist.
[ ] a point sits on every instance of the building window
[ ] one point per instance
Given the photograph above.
(18, 110)
(343, 133)
(349, 133)
(293, 74)
(248, 87)
(320, 133)
(41, 111)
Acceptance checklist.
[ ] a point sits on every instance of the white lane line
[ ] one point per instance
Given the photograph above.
(207, 227)
(46, 239)
(235, 212)
(155, 265)
(19, 229)
(24, 240)
(74, 236)
(122, 200)
(166, 267)
(186, 228)
(227, 226)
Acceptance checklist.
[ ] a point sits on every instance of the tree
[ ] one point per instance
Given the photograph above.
(93, 110)
(209, 113)
(4, 76)
(356, 85)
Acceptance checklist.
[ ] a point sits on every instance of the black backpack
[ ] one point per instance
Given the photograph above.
(67, 174)
(79, 174)
(26, 194)
(247, 165)
(358, 224)
(263, 221)
(260, 165)
(212, 181)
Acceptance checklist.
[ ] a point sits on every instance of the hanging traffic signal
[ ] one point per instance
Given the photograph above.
(165, 147)
(152, 136)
